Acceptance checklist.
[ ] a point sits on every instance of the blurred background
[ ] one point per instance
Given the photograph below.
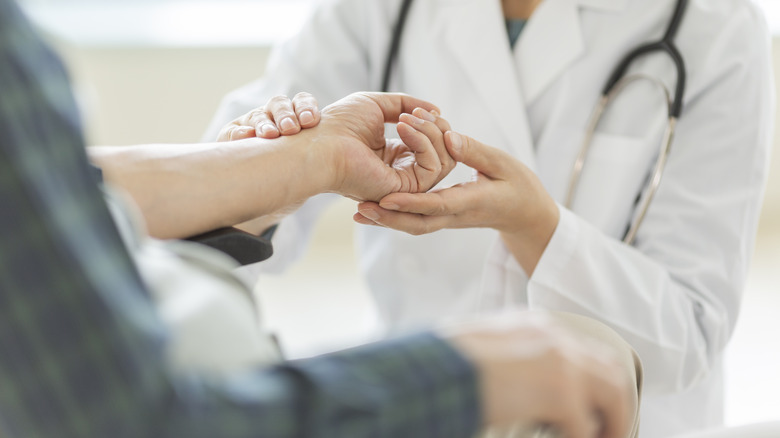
(151, 71)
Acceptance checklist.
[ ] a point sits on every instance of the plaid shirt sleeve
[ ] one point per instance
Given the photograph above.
(82, 348)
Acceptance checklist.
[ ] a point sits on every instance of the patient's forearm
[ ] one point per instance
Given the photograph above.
(184, 190)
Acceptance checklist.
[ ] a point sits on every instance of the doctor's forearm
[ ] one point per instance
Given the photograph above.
(184, 190)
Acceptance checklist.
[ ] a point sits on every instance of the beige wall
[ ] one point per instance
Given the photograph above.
(771, 213)
(133, 96)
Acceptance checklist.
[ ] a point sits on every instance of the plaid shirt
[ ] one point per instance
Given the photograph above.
(82, 347)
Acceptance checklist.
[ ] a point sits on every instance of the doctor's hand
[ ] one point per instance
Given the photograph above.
(366, 165)
(506, 196)
(533, 371)
(279, 116)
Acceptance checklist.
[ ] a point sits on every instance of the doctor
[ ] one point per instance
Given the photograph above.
(674, 293)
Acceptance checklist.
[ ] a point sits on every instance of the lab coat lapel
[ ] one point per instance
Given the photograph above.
(476, 35)
(552, 40)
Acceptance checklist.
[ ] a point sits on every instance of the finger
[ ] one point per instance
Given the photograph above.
(359, 218)
(450, 201)
(574, 420)
(283, 115)
(488, 160)
(306, 109)
(235, 132)
(611, 393)
(573, 409)
(419, 136)
(440, 122)
(414, 224)
(437, 139)
(395, 104)
(262, 122)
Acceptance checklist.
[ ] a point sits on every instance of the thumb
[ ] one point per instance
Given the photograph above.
(393, 105)
(485, 159)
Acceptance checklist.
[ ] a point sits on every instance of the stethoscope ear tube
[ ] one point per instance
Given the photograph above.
(395, 44)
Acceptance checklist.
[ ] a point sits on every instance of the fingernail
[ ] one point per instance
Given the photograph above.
(370, 214)
(416, 120)
(287, 124)
(426, 115)
(306, 117)
(435, 113)
(457, 142)
(267, 129)
(389, 206)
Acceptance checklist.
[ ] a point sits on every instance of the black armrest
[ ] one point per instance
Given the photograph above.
(244, 247)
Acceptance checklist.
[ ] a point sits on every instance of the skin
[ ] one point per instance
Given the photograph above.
(519, 9)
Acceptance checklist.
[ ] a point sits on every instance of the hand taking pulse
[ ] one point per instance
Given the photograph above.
(506, 196)
(280, 116)
(414, 163)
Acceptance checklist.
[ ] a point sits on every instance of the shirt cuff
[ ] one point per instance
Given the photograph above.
(559, 251)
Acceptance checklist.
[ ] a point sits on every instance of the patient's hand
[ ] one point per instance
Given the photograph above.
(280, 116)
(420, 154)
(366, 165)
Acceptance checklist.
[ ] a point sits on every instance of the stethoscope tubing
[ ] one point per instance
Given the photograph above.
(618, 80)
(616, 83)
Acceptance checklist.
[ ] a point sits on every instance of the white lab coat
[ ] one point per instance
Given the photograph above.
(675, 294)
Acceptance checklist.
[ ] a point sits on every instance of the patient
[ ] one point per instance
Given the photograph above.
(85, 345)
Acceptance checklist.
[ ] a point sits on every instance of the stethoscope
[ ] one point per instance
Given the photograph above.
(617, 82)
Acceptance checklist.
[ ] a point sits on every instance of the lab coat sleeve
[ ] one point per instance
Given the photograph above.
(331, 57)
(675, 295)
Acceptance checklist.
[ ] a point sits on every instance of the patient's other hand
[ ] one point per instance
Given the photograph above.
(366, 165)
(279, 116)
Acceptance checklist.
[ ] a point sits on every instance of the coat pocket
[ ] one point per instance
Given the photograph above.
(615, 173)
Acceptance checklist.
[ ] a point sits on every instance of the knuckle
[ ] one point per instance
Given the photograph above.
(303, 96)
(439, 209)
(419, 230)
(283, 113)
(279, 100)
(256, 115)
